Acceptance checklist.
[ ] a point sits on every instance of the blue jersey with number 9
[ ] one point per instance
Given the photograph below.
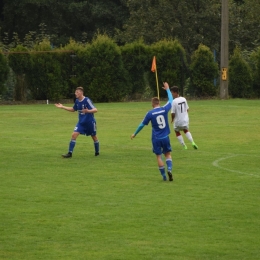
(159, 120)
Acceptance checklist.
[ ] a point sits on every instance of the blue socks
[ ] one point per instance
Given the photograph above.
(96, 145)
(162, 171)
(169, 168)
(169, 164)
(72, 145)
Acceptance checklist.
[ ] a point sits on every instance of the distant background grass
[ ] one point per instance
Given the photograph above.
(116, 206)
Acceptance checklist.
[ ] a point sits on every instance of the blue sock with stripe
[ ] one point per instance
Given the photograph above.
(169, 164)
(96, 145)
(162, 171)
(72, 145)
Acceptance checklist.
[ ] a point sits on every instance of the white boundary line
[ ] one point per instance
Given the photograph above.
(216, 164)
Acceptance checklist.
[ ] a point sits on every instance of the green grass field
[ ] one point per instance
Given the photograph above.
(116, 206)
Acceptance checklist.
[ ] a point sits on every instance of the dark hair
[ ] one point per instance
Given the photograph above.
(175, 89)
(80, 88)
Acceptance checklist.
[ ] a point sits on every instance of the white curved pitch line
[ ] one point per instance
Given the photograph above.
(215, 163)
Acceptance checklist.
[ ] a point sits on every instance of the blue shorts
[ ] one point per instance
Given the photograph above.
(88, 129)
(161, 145)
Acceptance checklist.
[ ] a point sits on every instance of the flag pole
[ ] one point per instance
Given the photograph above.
(157, 83)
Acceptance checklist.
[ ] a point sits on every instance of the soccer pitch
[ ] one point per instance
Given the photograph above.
(116, 206)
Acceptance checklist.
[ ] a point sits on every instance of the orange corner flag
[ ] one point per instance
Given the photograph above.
(153, 69)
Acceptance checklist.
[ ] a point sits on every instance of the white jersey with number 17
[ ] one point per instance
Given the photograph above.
(180, 109)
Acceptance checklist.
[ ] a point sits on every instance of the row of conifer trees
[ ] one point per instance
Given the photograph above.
(109, 72)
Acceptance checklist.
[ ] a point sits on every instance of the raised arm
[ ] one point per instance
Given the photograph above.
(167, 88)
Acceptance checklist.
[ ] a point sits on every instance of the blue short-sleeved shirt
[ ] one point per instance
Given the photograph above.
(88, 118)
(87, 122)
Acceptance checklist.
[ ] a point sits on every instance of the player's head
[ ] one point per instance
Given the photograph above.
(79, 92)
(155, 102)
(175, 91)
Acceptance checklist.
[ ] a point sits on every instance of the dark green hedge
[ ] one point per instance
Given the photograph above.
(136, 60)
(101, 71)
(109, 73)
(4, 69)
(255, 64)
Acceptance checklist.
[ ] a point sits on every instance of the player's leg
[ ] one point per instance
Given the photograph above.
(158, 152)
(161, 166)
(95, 139)
(189, 136)
(72, 143)
(179, 137)
(91, 130)
(168, 158)
(96, 144)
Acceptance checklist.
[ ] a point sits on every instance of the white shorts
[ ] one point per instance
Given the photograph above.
(178, 128)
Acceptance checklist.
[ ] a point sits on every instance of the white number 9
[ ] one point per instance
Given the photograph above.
(161, 122)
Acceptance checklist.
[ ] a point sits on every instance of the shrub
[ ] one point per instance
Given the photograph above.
(20, 61)
(255, 61)
(203, 71)
(136, 61)
(46, 79)
(171, 64)
(240, 76)
(3, 72)
(102, 73)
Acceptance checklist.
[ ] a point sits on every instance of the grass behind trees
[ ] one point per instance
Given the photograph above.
(116, 206)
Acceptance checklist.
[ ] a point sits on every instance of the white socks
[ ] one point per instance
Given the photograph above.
(189, 136)
(180, 138)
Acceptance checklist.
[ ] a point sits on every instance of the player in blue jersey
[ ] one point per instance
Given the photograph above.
(87, 122)
(160, 132)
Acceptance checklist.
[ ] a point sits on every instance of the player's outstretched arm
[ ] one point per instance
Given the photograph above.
(59, 105)
(139, 128)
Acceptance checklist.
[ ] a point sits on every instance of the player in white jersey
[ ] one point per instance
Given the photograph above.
(180, 117)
